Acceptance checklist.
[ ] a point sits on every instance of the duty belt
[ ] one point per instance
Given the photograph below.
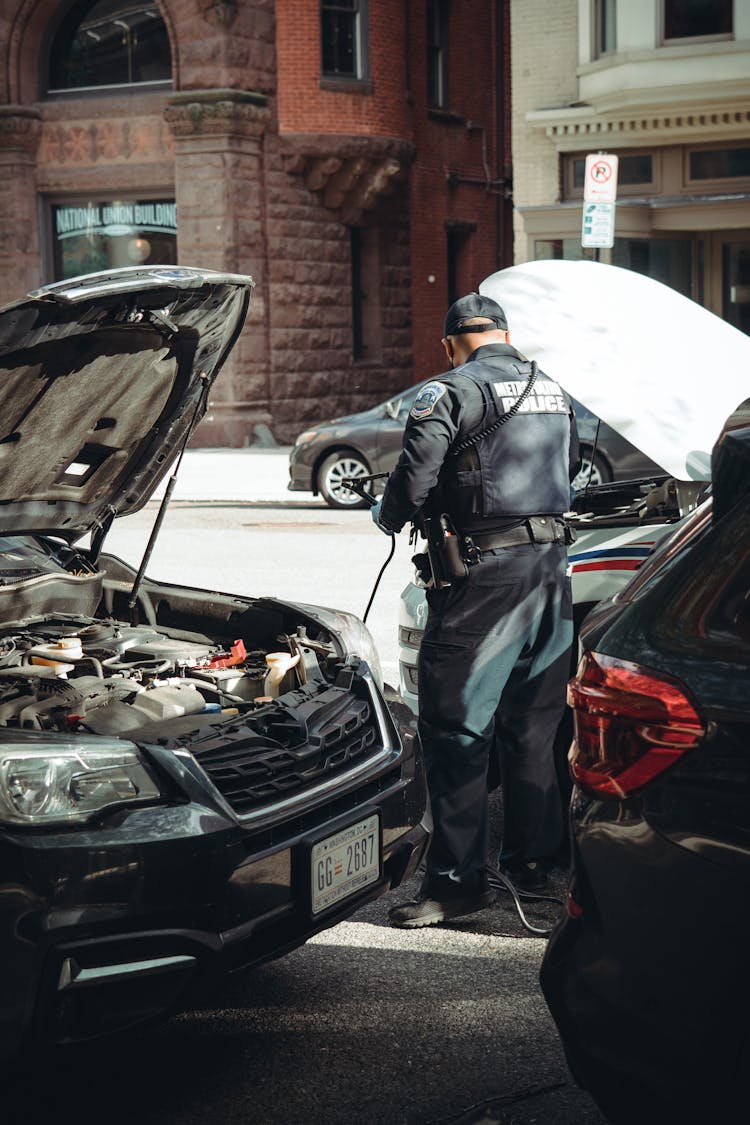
(535, 529)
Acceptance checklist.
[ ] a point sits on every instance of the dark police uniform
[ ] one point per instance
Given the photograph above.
(495, 654)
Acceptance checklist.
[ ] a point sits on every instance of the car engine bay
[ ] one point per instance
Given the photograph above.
(105, 677)
(627, 503)
(185, 658)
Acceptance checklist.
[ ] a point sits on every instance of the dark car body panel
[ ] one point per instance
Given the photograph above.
(186, 882)
(649, 985)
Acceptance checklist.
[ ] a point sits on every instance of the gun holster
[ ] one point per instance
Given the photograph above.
(443, 562)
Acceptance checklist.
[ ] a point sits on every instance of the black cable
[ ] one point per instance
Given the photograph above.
(357, 485)
(500, 882)
(496, 879)
(499, 1102)
(380, 575)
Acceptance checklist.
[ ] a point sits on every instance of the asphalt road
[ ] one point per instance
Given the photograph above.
(365, 1023)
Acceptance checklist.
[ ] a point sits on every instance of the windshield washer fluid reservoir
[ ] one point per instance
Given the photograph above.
(277, 680)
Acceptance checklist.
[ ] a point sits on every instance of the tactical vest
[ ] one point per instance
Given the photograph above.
(521, 469)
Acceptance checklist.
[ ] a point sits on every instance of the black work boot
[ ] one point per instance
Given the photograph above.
(529, 876)
(426, 911)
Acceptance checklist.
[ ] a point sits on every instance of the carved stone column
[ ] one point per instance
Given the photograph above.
(219, 187)
(20, 129)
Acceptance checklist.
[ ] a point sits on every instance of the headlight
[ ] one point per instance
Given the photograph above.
(307, 436)
(358, 639)
(45, 781)
(354, 635)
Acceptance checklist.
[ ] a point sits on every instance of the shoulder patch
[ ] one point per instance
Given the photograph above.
(426, 400)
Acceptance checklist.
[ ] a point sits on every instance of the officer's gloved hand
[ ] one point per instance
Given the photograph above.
(375, 513)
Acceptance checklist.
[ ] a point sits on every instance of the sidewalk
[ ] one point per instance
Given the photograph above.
(234, 476)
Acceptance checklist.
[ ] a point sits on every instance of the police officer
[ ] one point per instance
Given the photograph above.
(489, 451)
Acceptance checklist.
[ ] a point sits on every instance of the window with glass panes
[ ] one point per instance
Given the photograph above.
(694, 19)
(109, 43)
(341, 38)
(437, 53)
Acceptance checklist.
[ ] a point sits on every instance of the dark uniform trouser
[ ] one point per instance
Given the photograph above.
(493, 665)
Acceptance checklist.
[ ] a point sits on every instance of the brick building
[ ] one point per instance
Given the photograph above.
(346, 154)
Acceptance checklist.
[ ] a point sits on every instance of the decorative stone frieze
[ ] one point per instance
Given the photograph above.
(217, 112)
(90, 142)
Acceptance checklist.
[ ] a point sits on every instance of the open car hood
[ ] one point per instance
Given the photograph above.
(101, 379)
(660, 369)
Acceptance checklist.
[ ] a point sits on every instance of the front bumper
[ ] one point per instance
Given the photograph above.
(301, 473)
(412, 619)
(106, 928)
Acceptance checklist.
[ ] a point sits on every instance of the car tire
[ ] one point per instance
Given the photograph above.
(594, 470)
(335, 468)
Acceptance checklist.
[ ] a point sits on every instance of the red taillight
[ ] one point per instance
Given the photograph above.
(573, 906)
(631, 724)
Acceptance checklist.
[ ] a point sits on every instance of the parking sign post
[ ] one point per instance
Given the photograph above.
(599, 195)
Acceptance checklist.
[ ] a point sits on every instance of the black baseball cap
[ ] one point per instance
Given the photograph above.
(473, 304)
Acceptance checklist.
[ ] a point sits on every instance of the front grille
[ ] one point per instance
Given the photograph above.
(287, 747)
(265, 837)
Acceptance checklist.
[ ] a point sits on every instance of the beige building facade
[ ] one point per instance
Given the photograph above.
(664, 85)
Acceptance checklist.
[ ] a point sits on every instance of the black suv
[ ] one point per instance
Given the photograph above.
(190, 781)
(646, 976)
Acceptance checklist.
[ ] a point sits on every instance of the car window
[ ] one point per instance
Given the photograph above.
(400, 405)
(710, 609)
(729, 616)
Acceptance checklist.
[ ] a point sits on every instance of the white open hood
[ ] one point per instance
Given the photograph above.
(654, 365)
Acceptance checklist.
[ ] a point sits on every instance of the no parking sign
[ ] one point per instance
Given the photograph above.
(599, 194)
(600, 182)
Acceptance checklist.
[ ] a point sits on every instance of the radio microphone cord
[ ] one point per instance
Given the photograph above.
(500, 882)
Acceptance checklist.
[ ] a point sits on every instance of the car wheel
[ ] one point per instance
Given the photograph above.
(334, 470)
(594, 470)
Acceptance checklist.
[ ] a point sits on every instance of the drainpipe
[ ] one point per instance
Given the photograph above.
(504, 199)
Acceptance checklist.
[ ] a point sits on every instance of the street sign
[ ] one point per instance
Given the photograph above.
(598, 229)
(600, 181)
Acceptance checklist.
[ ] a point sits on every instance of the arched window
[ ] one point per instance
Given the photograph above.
(109, 43)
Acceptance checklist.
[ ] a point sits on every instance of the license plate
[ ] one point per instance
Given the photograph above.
(341, 865)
